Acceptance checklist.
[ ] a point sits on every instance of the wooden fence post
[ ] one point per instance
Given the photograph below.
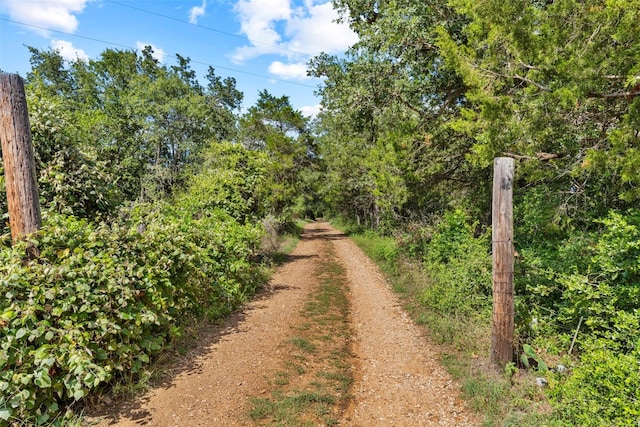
(502, 245)
(18, 158)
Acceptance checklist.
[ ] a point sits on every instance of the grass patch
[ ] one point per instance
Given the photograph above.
(281, 378)
(293, 410)
(303, 344)
(317, 370)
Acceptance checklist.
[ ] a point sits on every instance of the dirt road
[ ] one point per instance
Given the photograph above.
(397, 381)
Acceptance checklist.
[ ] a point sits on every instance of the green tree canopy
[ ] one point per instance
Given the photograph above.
(273, 126)
(147, 120)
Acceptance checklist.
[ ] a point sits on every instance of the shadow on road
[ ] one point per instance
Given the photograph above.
(322, 233)
(208, 335)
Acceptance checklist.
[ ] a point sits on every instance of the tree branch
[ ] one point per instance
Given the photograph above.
(526, 80)
(450, 98)
(628, 95)
(516, 76)
(539, 156)
(407, 104)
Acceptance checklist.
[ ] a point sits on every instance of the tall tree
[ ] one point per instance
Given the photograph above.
(273, 126)
(554, 84)
(392, 94)
(147, 120)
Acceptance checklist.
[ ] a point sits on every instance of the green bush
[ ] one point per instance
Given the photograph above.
(603, 288)
(459, 265)
(231, 178)
(591, 275)
(71, 179)
(603, 390)
(103, 299)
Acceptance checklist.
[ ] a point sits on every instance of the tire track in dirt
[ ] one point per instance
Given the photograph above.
(398, 380)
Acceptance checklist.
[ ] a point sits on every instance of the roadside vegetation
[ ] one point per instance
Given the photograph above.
(161, 200)
(451, 296)
(152, 222)
(412, 119)
(458, 323)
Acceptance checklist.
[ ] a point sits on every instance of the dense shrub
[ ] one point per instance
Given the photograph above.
(591, 280)
(71, 179)
(603, 390)
(103, 299)
(458, 262)
(589, 275)
(231, 178)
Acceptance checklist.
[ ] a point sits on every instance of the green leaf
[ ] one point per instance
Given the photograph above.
(41, 419)
(101, 354)
(8, 315)
(43, 380)
(528, 350)
(78, 394)
(5, 414)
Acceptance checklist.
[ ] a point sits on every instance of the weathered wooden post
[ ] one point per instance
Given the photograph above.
(502, 243)
(18, 158)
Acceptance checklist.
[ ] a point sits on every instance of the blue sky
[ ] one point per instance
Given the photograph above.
(264, 44)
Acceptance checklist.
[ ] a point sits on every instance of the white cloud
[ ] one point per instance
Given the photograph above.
(51, 14)
(296, 71)
(310, 110)
(197, 11)
(258, 22)
(158, 53)
(273, 27)
(68, 51)
(314, 30)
